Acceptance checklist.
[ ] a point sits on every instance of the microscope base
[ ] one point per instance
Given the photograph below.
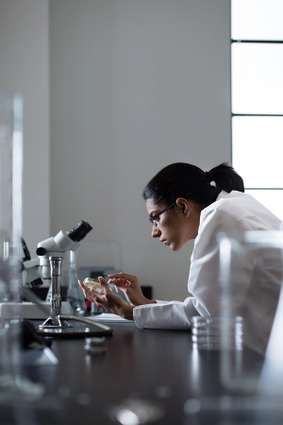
(77, 327)
(54, 323)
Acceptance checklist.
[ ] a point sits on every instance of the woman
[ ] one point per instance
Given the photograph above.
(185, 203)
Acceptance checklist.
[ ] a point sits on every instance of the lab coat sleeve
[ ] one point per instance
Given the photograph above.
(164, 315)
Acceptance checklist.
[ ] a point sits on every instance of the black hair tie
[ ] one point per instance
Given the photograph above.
(212, 183)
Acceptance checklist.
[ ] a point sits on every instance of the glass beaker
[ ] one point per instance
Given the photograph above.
(251, 288)
(12, 383)
(250, 278)
(206, 332)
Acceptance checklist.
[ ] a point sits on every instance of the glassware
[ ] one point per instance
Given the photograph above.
(101, 291)
(206, 332)
(251, 378)
(250, 277)
(12, 383)
(94, 286)
(75, 295)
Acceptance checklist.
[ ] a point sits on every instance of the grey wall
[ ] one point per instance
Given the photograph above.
(135, 85)
(24, 69)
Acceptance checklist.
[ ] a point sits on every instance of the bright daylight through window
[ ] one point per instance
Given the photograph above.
(257, 98)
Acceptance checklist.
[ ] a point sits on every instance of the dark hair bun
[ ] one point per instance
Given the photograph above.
(226, 178)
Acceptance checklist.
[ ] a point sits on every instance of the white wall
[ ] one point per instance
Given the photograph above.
(24, 69)
(135, 85)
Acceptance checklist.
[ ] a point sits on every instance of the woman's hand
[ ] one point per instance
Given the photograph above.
(90, 292)
(130, 284)
(108, 301)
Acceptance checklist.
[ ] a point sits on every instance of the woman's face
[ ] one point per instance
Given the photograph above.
(177, 224)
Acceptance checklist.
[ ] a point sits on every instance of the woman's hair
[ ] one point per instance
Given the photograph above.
(191, 182)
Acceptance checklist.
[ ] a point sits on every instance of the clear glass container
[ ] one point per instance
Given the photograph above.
(12, 382)
(250, 279)
(75, 295)
(206, 332)
(251, 271)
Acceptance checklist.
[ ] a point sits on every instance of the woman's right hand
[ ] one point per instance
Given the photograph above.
(130, 284)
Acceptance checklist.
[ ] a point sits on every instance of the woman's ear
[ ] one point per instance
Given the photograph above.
(184, 205)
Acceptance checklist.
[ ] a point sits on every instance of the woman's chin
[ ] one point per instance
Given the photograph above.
(173, 246)
(176, 246)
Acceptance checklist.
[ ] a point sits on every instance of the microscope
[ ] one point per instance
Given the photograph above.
(51, 253)
(47, 269)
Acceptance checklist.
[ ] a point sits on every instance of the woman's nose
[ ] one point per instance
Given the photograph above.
(155, 232)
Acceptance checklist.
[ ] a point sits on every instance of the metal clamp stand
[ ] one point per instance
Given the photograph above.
(55, 319)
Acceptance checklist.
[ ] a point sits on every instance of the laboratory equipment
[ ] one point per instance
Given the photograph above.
(206, 332)
(94, 286)
(30, 268)
(252, 378)
(75, 295)
(254, 257)
(13, 385)
(51, 252)
(96, 289)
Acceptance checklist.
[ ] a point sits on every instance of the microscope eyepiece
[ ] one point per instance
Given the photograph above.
(79, 231)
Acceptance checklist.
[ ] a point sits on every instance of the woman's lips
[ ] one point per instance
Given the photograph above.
(165, 242)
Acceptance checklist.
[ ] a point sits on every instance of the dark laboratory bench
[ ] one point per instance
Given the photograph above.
(154, 369)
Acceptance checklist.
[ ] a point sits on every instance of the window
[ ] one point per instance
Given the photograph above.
(257, 98)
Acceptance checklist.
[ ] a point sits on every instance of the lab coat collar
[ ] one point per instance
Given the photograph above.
(232, 194)
(222, 195)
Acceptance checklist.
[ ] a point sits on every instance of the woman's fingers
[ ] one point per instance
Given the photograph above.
(114, 298)
(118, 306)
(101, 280)
(85, 289)
(122, 275)
(101, 299)
(122, 283)
(88, 293)
(124, 280)
(108, 300)
(112, 303)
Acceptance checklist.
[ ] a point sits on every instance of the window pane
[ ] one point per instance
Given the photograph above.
(257, 78)
(272, 199)
(257, 149)
(257, 19)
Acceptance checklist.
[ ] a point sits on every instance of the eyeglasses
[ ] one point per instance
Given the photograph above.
(154, 218)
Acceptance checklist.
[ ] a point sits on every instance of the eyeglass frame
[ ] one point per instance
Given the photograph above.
(155, 219)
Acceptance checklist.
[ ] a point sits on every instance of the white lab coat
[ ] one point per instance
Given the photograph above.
(258, 291)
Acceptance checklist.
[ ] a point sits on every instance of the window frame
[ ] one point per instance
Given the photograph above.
(240, 41)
